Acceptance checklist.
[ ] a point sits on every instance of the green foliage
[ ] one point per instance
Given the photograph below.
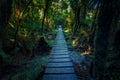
(30, 73)
(64, 5)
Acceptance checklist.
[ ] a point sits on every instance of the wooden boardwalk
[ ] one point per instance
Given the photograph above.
(60, 66)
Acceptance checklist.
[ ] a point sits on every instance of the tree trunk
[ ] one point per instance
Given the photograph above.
(93, 29)
(5, 13)
(45, 12)
(77, 21)
(101, 41)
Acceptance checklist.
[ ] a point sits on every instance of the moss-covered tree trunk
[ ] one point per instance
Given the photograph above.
(101, 41)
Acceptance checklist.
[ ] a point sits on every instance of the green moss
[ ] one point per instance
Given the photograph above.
(50, 42)
(21, 76)
(33, 71)
(28, 75)
(69, 42)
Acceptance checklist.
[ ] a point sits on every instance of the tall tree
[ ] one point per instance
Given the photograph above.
(5, 12)
(75, 5)
(47, 4)
(105, 18)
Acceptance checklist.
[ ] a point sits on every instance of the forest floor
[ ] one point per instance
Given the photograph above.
(82, 65)
(29, 70)
(24, 67)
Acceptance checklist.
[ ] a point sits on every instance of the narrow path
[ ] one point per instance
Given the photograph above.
(60, 66)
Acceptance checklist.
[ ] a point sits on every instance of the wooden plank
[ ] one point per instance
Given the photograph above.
(60, 77)
(60, 60)
(67, 64)
(62, 70)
